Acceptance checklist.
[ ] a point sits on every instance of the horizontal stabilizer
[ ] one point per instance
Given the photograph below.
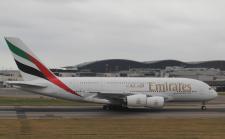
(25, 84)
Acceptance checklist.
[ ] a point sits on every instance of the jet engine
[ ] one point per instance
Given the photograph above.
(141, 100)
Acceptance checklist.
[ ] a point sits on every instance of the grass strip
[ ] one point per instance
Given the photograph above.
(102, 128)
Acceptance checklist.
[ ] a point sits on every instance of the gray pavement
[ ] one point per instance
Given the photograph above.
(215, 109)
(44, 112)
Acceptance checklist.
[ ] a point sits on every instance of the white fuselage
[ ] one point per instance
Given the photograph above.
(128, 92)
(172, 89)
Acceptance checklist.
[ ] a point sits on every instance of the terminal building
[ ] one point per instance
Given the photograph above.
(211, 72)
(9, 75)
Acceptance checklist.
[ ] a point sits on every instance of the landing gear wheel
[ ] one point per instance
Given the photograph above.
(105, 107)
(203, 108)
(112, 107)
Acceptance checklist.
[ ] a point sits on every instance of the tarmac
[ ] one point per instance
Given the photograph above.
(215, 109)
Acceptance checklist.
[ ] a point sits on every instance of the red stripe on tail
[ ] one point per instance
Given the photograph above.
(50, 76)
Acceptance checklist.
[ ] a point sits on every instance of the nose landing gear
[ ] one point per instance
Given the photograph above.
(203, 106)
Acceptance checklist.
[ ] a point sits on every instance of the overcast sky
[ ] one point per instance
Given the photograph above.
(69, 32)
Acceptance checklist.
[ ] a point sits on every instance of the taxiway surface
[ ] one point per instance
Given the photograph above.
(215, 108)
(43, 112)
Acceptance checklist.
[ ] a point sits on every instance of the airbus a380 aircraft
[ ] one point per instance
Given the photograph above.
(113, 92)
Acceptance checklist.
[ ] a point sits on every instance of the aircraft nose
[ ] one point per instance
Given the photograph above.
(214, 94)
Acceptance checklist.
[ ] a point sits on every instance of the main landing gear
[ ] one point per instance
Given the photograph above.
(203, 106)
(113, 107)
(106, 107)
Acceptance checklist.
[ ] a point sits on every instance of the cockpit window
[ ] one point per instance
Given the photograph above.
(210, 88)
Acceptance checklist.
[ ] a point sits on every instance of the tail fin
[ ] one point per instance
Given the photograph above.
(30, 66)
(26, 61)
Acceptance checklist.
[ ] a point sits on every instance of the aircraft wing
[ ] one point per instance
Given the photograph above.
(112, 97)
(118, 97)
(24, 84)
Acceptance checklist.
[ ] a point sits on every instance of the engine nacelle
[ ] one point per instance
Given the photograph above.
(139, 100)
(142, 100)
(155, 102)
